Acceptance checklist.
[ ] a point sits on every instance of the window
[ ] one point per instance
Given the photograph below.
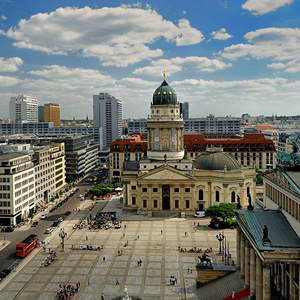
(155, 204)
(217, 196)
(187, 190)
(176, 190)
(144, 190)
(133, 201)
(200, 197)
(133, 187)
(187, 203)
(155, 190)
(144, 203)
(232, 197)
(176, 203)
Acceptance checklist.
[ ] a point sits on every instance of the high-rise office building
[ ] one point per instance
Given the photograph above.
(41, 113)
(108, 115)
(184, 110)
(23, 108)
(52, 113)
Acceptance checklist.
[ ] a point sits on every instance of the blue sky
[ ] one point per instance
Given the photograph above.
(224, 57)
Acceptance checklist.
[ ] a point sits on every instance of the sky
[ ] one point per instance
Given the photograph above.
(224, 57)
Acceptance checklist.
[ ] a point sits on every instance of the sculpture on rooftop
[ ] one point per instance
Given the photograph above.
(266, 239)
(289, 159)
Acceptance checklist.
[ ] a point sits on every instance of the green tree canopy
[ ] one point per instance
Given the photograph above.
(223, 211)
(259, 177)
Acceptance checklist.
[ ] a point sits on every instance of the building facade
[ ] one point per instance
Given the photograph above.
(208, 125)
(184, 110)
(52, 113)
(107, 112)
(23, 108)
(161, 178)
(17, 187)
(268, 238)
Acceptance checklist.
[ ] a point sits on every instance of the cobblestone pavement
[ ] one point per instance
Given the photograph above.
(157, 250)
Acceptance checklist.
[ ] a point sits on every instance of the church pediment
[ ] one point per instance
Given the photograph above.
(165, 174)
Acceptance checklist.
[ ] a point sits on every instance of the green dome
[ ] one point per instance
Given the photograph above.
(164, 94)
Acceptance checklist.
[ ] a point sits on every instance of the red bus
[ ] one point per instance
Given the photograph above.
(24, 248)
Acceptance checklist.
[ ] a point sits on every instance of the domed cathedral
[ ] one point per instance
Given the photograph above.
(165, 182)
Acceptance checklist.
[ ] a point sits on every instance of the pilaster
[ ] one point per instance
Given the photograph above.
(252, 271)
(247, 264)
(258, 279)
(266, 283)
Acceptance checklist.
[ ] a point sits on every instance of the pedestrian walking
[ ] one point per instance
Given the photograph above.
(191, 270)
(188, 269)
(48, 242)
(88, 281)
(117, 281)
(103, 259)
(86, 238)
(175, 279)
(233, 295)
(49, 250)
(102, 297)
(185, 233)
(161, 232)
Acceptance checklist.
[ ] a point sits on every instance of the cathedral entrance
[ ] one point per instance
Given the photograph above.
(166, 197)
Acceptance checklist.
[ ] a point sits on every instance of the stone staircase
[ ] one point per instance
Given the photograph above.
(165, 214)
(206, 275)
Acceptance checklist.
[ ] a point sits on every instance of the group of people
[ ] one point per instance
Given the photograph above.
(66, 292)
(173, 280)
(87, 247)
(50, 258)
(194, 250)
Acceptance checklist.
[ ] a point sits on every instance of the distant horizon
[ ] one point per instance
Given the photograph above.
(221, 56)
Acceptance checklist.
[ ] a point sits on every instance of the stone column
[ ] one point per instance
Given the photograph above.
(283, 281)
(266, 283)
(252, 271)
(238, 247)
(242, 256)
(247, 264)
(258, 287)
(125, 195)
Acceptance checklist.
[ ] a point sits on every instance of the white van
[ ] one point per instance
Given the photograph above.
(199, 214)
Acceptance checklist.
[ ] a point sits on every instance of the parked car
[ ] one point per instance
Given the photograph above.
(7, 229)
(34, 224)
(199, 214)
(43, 216)
(55, 224)
(4, 273)
(67, 213)
(60, 219)
(49, 230)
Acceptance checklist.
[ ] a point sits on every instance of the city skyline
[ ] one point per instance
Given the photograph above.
(223, 57)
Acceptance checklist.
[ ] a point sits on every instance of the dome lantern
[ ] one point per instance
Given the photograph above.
(164, 94)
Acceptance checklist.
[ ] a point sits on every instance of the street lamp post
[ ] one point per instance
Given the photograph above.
(62, 235)
(220, 238)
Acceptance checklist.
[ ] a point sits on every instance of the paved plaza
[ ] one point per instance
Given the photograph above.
(157, 247)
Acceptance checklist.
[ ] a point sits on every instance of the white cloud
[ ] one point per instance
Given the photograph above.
(177, 64)
(3, 17)
(280, 44)
(11, 64)
(221, 34)
(7, 81)
(261, 7)
(118, 36)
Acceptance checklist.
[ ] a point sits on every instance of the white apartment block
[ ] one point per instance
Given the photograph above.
(17, 187)
(23, 108)
(107, 112)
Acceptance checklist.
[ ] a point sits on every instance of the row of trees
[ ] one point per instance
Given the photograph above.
(103, 189)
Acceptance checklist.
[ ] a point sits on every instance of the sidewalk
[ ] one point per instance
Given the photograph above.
(3, 244)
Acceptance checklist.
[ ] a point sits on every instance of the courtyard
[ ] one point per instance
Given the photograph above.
(153, 241)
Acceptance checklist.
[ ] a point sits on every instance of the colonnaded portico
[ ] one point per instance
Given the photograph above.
(268, 254)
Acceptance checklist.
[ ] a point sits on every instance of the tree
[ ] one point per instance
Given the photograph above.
(223, 211)
(259, 177)
(31, 214)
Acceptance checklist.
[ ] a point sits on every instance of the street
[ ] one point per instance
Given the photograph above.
(8, 259)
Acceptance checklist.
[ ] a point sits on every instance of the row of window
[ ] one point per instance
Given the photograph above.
(4, 179)
(155, 203)
(155, 190)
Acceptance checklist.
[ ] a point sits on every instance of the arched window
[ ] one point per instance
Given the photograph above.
(232, 197)
(217, 196)
(200, 195)
(248, 191)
